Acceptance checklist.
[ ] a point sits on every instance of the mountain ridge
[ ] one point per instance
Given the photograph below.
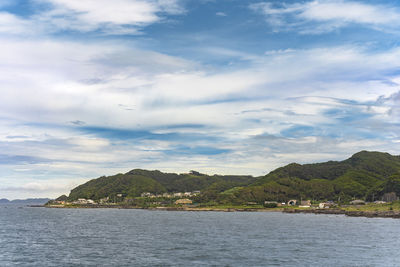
(367, 175)
(32, 201)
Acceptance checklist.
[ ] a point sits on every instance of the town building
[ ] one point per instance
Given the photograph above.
(83, 201)
(357, 202)
(325, 205)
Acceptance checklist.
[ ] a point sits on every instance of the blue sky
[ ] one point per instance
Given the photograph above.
(98, 87)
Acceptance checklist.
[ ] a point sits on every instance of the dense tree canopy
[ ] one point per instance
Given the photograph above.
(367, 175)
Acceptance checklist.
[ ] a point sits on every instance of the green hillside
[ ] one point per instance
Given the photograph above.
(365, 175)
(137, 181)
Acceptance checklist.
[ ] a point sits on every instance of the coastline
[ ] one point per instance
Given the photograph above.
(178, 208)
(394, 214)
(351, 213)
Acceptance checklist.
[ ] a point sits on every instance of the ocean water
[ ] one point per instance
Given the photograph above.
(120, 237)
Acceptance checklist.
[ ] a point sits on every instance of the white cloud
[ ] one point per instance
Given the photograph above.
(89, 144)
(345, 11)
(29, 188)
(328, 15)
(47, 84)
(107, 17)
(113, 17)
(91, 83)
(13, 25)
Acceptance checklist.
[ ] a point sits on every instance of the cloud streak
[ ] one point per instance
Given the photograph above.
(317, 17)
(77, 101)
(116, 17)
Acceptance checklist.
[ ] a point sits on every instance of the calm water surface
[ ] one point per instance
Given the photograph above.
(113, 237)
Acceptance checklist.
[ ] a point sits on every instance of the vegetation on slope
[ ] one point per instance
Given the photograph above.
(137, 181)
(365, 175)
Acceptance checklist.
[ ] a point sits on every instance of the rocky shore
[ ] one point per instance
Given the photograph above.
(369, 214)
(337, 211)
(178, 208)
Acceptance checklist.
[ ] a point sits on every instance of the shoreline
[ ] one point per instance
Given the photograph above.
(353, 213)
(181, 208)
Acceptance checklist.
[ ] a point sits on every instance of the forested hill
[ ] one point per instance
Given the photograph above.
(365, 175)
(137, 181)
(374, 163)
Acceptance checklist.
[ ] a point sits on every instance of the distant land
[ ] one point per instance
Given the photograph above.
(367, 176)
(29, 201)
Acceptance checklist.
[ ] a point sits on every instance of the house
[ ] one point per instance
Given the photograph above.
(292, 202)
(178, 194)
(83, 201)
(145, 194)
(325, 205)
(166, 195)
(183, 201)
(357, 202)
(187, 194)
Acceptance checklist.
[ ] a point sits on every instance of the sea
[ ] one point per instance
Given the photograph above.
(128, 237)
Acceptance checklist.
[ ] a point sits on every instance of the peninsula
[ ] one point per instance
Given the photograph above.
(368, 183)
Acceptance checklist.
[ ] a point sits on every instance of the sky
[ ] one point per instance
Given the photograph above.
(98, 87)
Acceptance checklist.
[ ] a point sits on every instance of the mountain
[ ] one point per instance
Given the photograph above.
(137, 181)
(365, 175)
(4, 201)
(29, 201)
